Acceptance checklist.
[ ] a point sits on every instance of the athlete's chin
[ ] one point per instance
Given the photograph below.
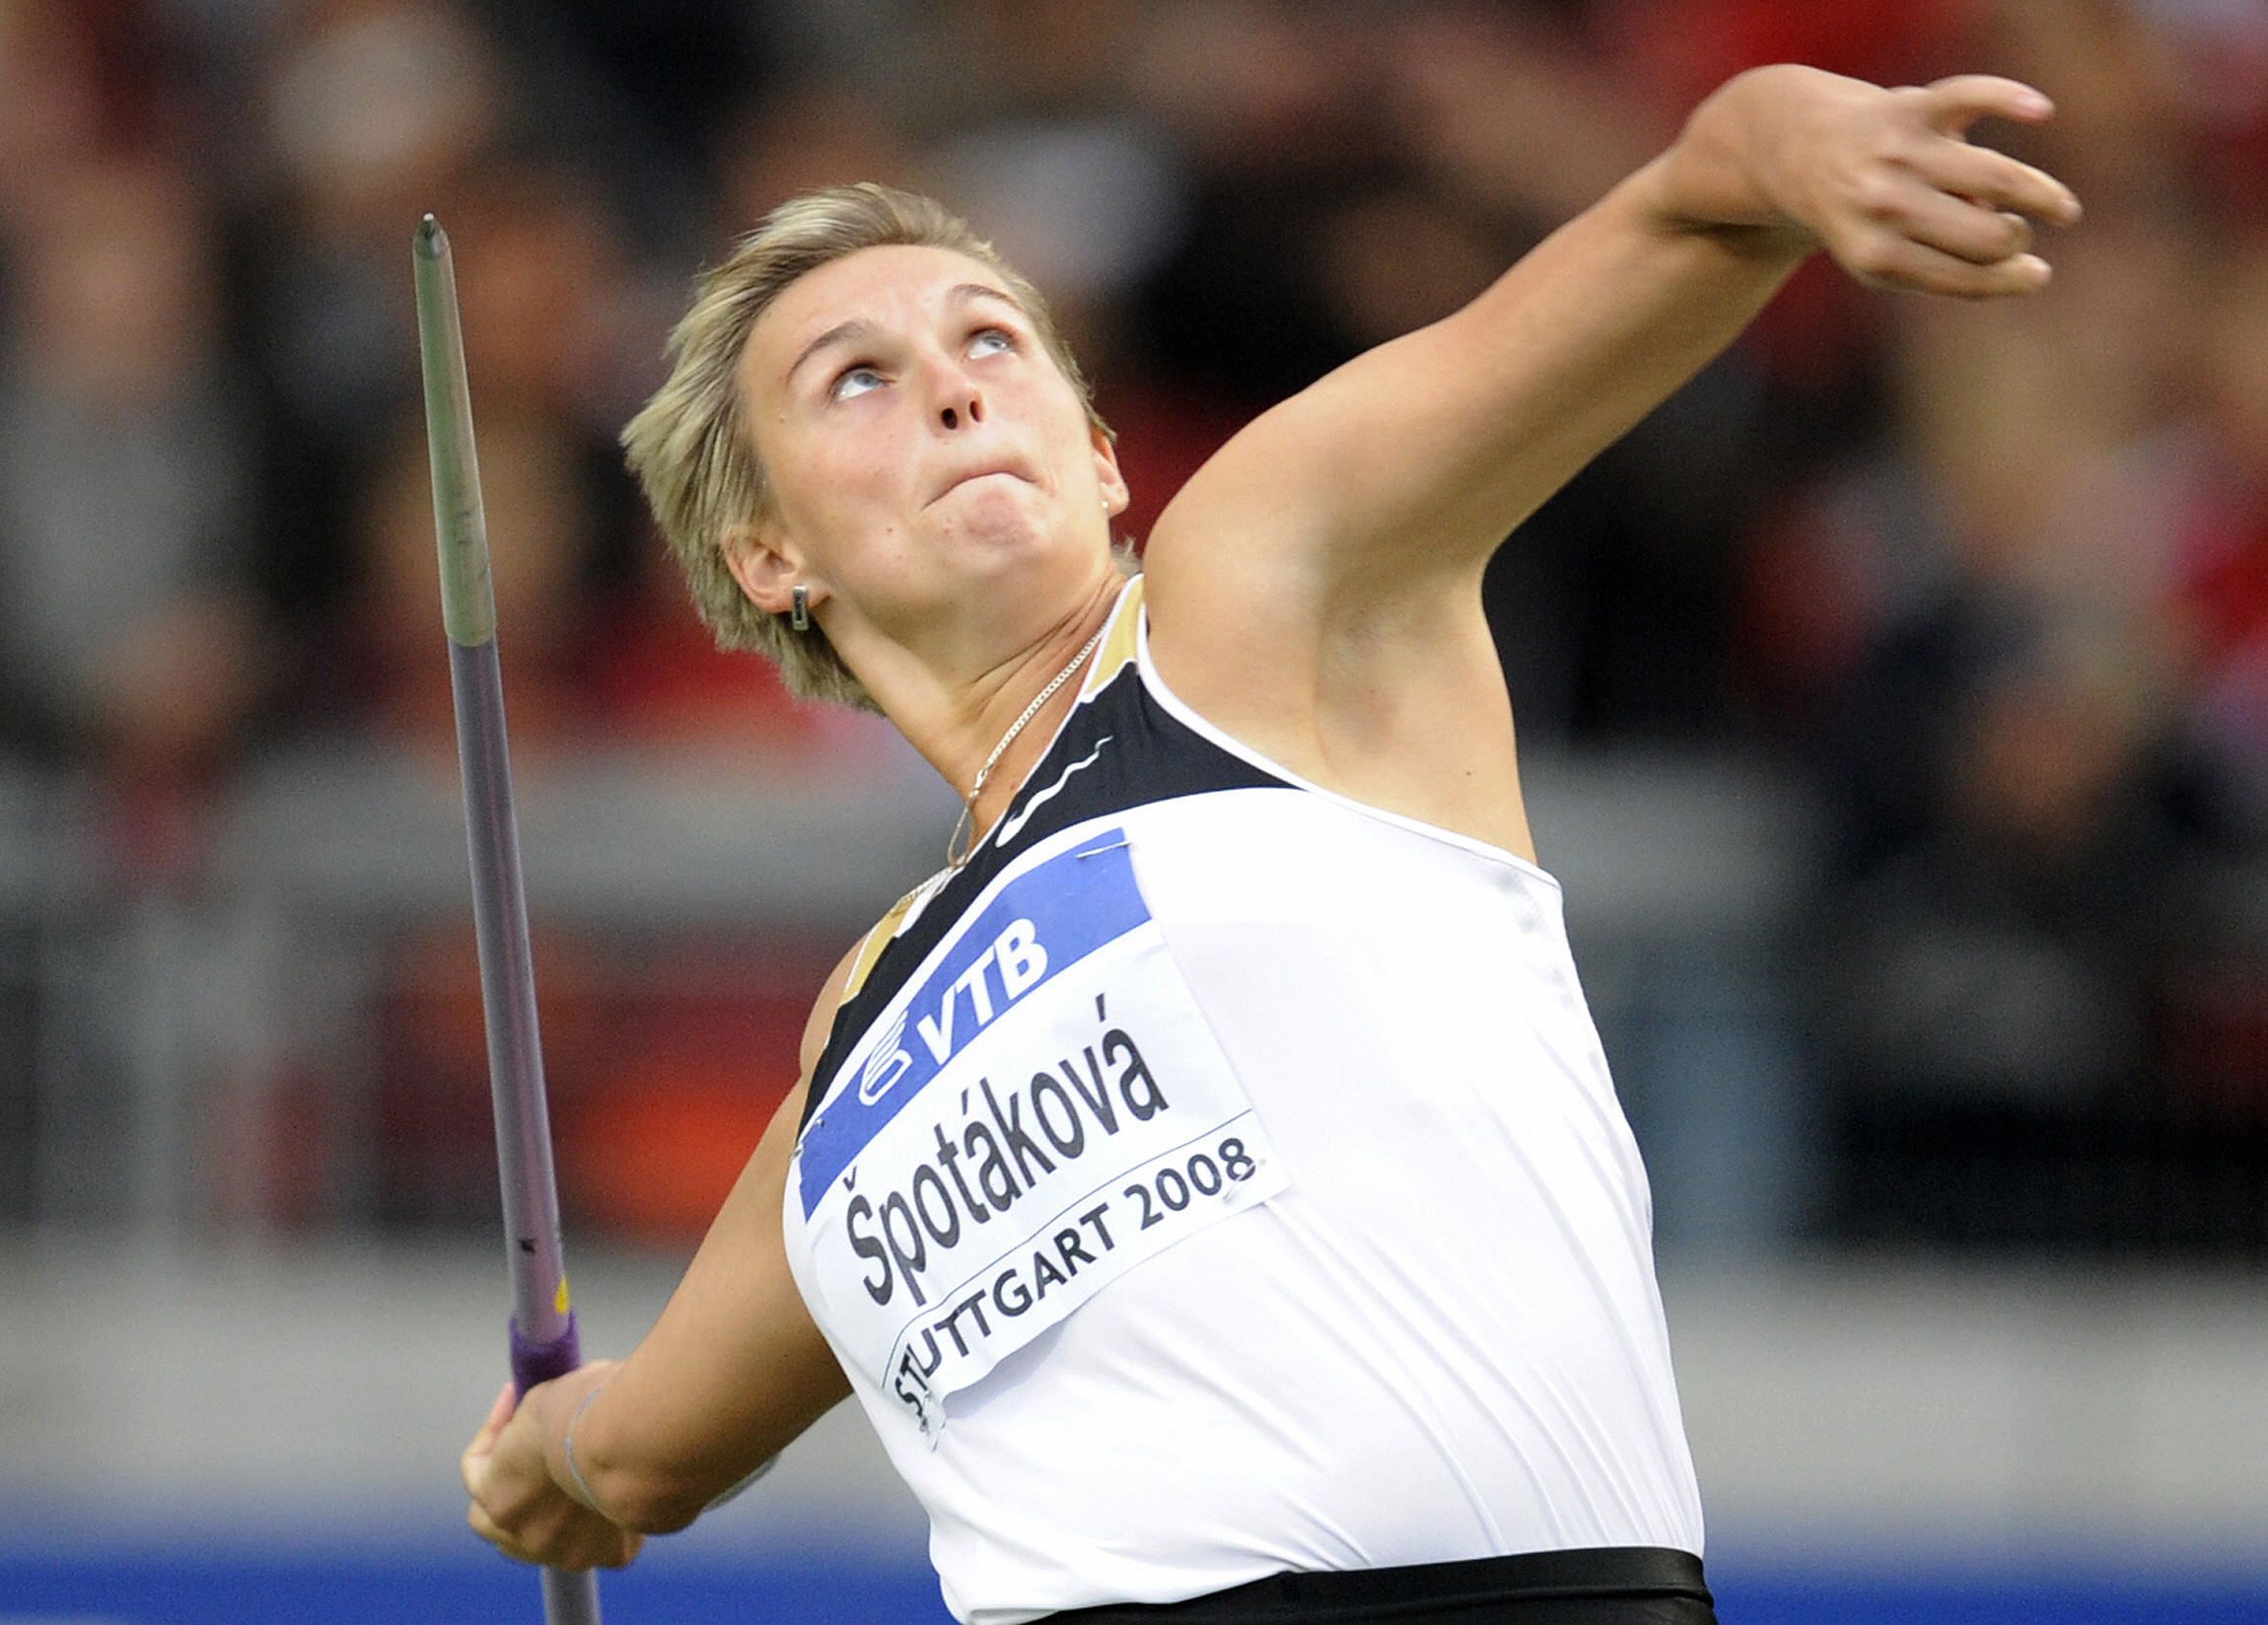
(1004, 526)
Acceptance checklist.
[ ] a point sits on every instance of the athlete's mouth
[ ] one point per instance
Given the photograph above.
(983, 472)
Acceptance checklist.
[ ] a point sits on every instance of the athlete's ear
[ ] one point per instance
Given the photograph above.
(1116, 495)
(768, 566)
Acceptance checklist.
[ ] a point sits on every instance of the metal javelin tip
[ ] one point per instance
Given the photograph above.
(469, 603)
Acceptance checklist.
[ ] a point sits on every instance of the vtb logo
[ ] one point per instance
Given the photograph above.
(1016, 961)
(886, 1064)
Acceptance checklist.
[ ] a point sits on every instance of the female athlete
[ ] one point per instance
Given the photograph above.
(1210, 1183)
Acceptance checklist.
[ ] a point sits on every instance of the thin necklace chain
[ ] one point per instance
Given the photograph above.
(984, 773)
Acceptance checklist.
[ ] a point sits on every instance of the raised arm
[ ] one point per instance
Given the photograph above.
(731, 1373)
(1347, 509)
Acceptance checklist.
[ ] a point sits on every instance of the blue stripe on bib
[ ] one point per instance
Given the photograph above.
(1039, 924)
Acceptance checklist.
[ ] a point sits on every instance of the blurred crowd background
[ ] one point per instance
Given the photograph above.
(1917, 654)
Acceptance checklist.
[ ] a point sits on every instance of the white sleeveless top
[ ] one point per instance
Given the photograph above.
(1217, 1176)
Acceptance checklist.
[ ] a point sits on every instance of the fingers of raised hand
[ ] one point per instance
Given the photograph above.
(1952, 104)
(1930, 242)
(1888, 260)
(1966, 231)
(1986, 177)
(1924, 210)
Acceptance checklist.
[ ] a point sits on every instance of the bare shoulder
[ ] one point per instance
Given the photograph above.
(1393, 696)
(1317, 585)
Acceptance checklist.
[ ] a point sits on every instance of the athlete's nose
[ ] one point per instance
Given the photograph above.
(959, 397)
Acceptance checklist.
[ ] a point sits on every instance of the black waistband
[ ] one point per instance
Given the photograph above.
(1526, 1586)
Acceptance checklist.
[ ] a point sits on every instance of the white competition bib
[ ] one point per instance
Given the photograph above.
(1040, 1111)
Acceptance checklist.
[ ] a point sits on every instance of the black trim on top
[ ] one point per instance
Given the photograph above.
(1142, 755)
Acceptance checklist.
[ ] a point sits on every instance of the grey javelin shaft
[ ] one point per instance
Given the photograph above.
(540, 1311)
(543, 1337)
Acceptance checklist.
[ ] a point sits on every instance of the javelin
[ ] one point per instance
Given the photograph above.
(542, 1329)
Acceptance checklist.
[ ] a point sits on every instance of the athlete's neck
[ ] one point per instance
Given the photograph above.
(1008, 717)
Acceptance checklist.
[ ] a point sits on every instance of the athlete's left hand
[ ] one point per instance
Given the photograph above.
(1885, 180)
(1888, 181)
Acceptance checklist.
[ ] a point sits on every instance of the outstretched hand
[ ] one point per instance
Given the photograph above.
(1890, 184)
(521, 1509)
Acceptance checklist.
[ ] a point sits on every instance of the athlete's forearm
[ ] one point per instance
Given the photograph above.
(730, 1374)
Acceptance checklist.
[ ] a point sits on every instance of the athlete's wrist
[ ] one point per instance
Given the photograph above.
(1739, 162)
(573, 1482)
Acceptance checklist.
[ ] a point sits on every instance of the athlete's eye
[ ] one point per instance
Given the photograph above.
(854, 381)
(992, 341)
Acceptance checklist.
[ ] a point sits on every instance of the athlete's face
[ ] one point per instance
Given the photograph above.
(920, 443)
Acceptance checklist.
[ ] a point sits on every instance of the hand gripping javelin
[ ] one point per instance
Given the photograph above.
(543, 1342)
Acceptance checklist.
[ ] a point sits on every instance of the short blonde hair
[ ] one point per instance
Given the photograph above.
(690, 446)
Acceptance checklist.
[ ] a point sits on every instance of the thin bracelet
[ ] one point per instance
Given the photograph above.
(582, 1490)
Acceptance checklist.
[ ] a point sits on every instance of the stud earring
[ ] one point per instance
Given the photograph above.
(800, 616)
